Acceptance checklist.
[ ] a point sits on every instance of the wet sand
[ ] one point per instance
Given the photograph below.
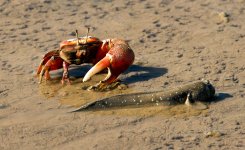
(175, 42)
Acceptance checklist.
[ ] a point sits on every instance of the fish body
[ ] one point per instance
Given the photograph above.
(200, 91)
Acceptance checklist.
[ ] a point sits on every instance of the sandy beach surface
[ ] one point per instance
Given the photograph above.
(175, 42)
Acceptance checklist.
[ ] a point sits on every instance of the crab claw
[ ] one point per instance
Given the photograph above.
(117, 60)
(101, 65)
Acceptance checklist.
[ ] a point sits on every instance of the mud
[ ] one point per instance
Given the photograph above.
(175, 42)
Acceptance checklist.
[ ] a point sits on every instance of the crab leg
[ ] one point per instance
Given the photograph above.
(40, 67)
(45, 70)
(65, 76)
(48, 64)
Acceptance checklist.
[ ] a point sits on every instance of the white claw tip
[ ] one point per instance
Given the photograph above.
(85, 79)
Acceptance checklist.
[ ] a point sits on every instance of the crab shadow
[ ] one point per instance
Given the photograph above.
(135, 73)
(79, 71)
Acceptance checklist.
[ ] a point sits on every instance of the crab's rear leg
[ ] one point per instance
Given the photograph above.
(43, 70)
(52, 63)
(42, 64)
(46, 58)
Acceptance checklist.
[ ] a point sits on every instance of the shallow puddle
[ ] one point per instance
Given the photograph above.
(77, 95)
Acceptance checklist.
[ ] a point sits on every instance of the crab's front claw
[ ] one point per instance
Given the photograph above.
(101, 65)
(117, 60)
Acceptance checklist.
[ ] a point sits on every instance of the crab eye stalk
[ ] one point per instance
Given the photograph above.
(87, 34)
(77, 37)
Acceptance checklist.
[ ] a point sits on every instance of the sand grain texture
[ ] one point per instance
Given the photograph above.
(174, 41)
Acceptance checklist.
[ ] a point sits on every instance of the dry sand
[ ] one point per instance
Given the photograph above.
(175, 42)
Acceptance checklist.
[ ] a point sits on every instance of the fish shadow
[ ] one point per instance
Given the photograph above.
(222, 96)
(143, 73)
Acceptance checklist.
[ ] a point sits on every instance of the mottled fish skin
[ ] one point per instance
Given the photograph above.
(200, 91)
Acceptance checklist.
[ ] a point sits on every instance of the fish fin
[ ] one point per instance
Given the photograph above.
(190, 102)
(189, 99)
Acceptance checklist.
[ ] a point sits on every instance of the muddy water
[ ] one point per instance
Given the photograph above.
(77, 95)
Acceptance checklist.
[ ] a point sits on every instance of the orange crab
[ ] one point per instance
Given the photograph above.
(114, 54)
